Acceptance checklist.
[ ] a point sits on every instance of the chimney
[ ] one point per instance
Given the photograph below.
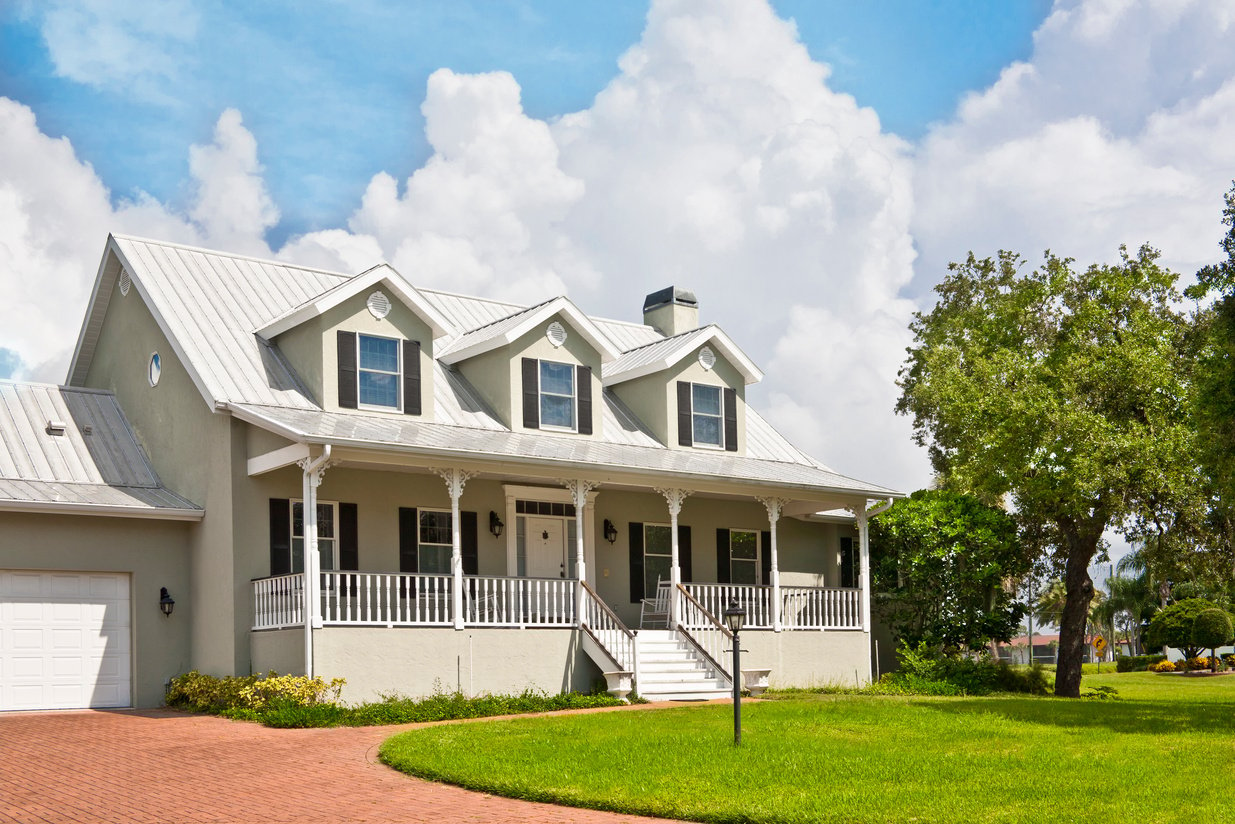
(671, 311)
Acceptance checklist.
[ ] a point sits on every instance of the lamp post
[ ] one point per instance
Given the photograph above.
(735, 616)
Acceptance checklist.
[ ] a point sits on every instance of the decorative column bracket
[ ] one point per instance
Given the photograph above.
(675, 498)
(774, 506)
(455, 480)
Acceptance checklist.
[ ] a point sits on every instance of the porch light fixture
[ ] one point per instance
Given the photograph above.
(610, 531)
(495, 524)
(735, 616)
(166, 602)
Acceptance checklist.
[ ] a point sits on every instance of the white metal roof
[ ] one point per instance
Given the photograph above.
(91, 461)
(662, 354)
(516, 325)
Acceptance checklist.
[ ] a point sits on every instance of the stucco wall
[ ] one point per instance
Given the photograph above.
(153, 553)
(280, 650)
(418, 662)
(809, 659)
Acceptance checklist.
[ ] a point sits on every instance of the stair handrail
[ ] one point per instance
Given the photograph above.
(599, 621)
(704, 632)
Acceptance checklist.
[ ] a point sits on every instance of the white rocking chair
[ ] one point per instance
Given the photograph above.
(655, 610)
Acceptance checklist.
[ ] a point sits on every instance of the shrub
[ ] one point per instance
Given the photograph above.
(927, 671)
(1229, 660)
(1162, 666)
(230, 694)
(1172, 626)
(1210, 630)
(1136, 663)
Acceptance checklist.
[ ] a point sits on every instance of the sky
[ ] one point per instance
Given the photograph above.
(807, 167)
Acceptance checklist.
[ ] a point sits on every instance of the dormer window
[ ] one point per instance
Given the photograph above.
(379, 371)
(707, 416)
(557, 396)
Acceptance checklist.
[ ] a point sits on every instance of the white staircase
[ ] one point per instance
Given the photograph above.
(671, 669)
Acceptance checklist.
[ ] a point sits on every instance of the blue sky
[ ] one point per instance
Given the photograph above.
(331, 89)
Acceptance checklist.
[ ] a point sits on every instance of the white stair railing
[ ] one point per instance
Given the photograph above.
(607, 629)
(704, 632)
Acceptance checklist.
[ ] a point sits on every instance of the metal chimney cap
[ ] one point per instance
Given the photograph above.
(670, 294)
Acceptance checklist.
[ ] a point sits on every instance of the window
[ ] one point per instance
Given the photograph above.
(327, 544)
(378, 371)
(743, 557)
(657, 556)
(706, 420)
(849, 563)
(557, 395)
(435, 542)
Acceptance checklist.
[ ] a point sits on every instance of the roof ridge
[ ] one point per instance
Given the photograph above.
(522, 311)
(669, 337)
(234, 255)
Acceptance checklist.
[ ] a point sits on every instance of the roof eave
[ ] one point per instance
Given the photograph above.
(581, 323)
(107, 510)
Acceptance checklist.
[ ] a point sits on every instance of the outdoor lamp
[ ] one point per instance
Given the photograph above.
(610, 531)
(495, 524)
(735, 616)
(166, 602)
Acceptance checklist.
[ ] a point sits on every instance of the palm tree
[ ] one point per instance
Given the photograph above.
(1048, 609)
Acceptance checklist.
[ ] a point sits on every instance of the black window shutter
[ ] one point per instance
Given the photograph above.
(409, 540)
(636, 563)
(686, 433)
(531, 393)
(722, 556)
(347, 370)
(583, 388)
(684, 559)
(411, 377)
(280, 536)
(469, 543)
(731, 420)
(765, 559)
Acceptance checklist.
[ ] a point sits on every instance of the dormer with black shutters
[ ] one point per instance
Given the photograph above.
(366, 345)
(539, 368)
(689, 389)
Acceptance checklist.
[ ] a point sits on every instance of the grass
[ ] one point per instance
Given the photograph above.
(1165, 751)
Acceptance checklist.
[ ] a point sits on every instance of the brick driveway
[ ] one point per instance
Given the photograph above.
(164, 766)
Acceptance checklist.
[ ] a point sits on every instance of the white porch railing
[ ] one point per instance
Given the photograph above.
(608, 630)
(518, 602)
(801, 607)
(386, 599)
(703, 631)
(278, 602)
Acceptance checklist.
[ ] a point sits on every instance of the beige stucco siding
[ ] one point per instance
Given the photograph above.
(153, 553)
(809, 659)
(278, 650)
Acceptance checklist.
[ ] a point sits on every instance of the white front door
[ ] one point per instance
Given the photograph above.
(64, 640)
(546, 547)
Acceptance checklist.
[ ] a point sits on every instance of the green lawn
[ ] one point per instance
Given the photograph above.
(1164, 752)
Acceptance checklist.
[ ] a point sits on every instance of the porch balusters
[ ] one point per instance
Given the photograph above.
(455, 480)
(675, 498)
(579, 490)
(775, 506)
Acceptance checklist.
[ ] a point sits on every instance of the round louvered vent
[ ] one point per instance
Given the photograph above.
(707, 358)
(379, 305)
(556, 334)
(125, 282)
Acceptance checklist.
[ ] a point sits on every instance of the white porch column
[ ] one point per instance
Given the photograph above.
(675, 498)
(313, 470)
(864, 556)
(775, 506)
(579, 490)
(455, 480)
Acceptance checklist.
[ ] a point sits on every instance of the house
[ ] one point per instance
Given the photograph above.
(417, 490)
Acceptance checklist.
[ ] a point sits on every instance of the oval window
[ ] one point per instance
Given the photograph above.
(154, 370)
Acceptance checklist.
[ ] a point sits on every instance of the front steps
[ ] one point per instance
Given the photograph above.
(670, 669)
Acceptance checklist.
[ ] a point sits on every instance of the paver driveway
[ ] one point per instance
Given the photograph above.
(163, 766)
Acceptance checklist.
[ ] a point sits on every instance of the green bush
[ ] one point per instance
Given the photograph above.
(1136, 663)
(927, 671)
(1211, 629)
(206, 693)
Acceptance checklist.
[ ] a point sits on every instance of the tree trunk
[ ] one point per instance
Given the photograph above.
(1075, 614)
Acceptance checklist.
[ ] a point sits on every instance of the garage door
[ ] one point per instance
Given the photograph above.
(64, 640)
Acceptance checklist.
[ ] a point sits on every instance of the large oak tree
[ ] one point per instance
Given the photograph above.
(1062, 393)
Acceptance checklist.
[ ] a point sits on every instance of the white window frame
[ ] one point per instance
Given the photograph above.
(334, 541)
(449, 546)
(668, 555)
(398, 374)
(574, 396)
(720, 418)
(757, 559)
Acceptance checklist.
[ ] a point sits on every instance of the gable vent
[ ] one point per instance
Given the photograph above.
(556, 333)
(125, 282)
(379, 305)
(707, 358)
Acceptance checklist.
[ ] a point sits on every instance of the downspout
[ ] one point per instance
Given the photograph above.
(312, 477)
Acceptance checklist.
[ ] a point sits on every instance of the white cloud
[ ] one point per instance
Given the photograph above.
(231, 203)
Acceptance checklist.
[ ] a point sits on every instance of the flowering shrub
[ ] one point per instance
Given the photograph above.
(1201, 662)
(206, 693)
(1162, 666)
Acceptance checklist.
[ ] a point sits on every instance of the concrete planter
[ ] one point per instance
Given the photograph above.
(619, 684)
(755, 681)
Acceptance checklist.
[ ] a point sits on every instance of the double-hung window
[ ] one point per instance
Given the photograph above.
(557, 395)
(327, 542)
(435, 542)
(657, 556)
(707, 424)
(743, 556)
(378, 371)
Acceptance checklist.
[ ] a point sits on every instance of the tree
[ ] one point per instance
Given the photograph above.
(1048, 609)
(1064, 392)
(939, 565)
(1172, 627)
(1212, 629)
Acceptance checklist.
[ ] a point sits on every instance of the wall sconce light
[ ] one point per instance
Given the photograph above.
(166, 602)
(495, 524)
(610, 531)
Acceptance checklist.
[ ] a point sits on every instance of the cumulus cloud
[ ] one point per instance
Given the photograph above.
(1117, 130)
(232, 206)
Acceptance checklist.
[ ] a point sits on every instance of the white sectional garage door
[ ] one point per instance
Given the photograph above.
(65, 640)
